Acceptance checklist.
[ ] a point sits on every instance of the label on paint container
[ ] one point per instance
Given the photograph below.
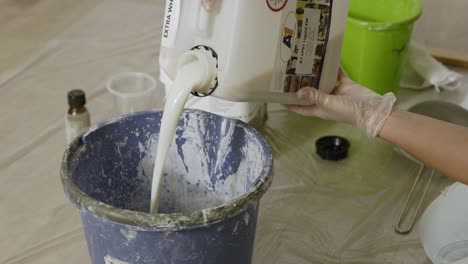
(302, 45)
(276, 5)
(171, 23)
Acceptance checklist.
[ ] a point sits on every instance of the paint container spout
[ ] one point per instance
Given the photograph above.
(204, 59)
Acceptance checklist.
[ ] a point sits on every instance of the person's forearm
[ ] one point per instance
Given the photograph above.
(440, 145)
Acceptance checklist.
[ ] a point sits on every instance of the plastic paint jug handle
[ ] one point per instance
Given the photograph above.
(201, 20)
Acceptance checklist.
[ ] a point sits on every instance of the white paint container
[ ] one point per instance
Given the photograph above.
(265, 50)
(444, 227)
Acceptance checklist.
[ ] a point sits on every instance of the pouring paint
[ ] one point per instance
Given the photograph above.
(197, 71)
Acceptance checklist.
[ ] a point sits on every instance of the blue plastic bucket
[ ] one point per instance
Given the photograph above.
(217, 171)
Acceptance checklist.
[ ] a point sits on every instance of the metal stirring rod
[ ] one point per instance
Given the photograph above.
(404, 209)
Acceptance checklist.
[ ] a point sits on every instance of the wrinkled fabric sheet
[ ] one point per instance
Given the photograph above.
(315, 211)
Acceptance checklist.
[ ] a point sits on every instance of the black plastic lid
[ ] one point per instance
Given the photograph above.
(76, 98)
(332, 148)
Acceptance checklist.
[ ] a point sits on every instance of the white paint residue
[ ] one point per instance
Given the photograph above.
(205, 216)
(246, 219)
(130, 235)
(111, 260)
(235, 228)
(141, 147)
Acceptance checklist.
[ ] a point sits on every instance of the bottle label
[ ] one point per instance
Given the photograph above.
(171, 23)
(75, 125)
(302, 45)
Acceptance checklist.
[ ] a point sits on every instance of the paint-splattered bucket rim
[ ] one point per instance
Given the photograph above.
(167, 222)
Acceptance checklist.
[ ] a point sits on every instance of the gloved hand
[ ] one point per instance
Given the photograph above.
(349, 103)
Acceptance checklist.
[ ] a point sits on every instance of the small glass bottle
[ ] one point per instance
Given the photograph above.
(77, 119)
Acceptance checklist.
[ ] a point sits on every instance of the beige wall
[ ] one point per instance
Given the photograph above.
(444, 24)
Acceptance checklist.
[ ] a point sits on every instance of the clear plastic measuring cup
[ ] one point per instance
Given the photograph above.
(135, 91)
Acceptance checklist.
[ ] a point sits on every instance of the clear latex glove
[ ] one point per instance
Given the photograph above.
(349, 103)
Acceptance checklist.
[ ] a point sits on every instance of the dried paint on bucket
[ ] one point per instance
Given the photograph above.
(185, 185)
(216, 172)
(214, 166)
(110, 260)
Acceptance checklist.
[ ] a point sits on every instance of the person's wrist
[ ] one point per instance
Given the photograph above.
(378, 112)
(390, 124)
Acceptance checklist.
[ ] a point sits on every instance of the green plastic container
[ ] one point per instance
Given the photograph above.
(376, 41)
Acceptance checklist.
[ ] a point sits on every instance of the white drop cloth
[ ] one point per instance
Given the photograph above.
(315, 212)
